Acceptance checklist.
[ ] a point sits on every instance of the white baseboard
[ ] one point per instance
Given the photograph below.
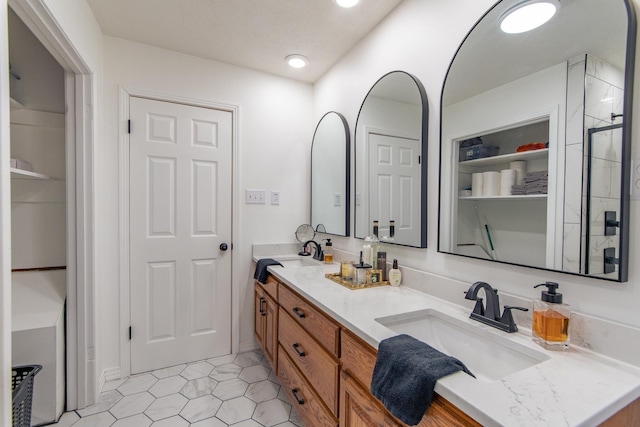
(108, 374)
(248, 346)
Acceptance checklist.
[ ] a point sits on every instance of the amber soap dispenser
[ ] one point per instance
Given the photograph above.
(551, 317)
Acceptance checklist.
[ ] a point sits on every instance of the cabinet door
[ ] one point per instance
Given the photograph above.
(270, 339)
(358, 408)
(259, 315)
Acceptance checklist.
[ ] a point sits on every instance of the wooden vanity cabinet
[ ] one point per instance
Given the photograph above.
(324, 369)
(358, 359)
(266, 323)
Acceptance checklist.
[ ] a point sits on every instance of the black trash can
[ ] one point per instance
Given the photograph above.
(22, 378)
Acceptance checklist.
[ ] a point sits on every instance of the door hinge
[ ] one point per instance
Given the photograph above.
(129, 333)
(419, 159)
(128, 126)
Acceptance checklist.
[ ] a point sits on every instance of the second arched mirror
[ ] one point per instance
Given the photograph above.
(390, 161)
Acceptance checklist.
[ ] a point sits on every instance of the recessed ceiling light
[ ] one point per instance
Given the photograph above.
(297, 61)
(347, 3)
(527, 15)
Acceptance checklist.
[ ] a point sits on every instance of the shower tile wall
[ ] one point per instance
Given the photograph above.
(594, 92)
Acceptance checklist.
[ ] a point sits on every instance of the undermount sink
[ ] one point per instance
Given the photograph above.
(487, 354)
(299, 262)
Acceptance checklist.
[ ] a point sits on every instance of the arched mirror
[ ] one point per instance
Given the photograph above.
(536, 140)
(330, 184)
(390, 163)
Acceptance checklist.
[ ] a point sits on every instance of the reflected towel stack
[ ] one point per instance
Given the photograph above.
(521, 169)
(534, 183)
(507, 180)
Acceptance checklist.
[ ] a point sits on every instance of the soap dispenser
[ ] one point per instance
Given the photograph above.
(551, 317)
(328, 252)
(395, 275)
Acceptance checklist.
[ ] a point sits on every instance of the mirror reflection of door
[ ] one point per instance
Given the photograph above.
(394, 176)
(390, 160)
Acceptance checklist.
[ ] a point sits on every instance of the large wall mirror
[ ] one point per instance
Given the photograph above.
(536, 143)
(390, 163)
(330, 184)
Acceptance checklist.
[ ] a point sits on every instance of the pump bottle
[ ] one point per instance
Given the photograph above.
(328, 252)
(551, 317)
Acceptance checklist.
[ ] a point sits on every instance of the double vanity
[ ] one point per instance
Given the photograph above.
(321, 340)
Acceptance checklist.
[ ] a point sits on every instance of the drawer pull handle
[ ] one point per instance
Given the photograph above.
(299, 312)
(296, 347)
(295, 394)
(262, 311)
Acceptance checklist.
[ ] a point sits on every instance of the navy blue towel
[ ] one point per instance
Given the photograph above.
(261, 269)
(405, 375)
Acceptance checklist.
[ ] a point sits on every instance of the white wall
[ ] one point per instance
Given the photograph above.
(421, 38)
(274, 145)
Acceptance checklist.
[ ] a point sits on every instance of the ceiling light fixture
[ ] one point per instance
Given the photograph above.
(527, 15)
(347, 3)
(297, 61)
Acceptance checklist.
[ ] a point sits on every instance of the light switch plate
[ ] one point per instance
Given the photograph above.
(275, 197)
(337, 199)
(254, 197)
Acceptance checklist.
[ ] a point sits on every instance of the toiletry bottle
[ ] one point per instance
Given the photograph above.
(551, 317)
(392, 231)
(328, 252)
(382, 265)
(395, 275)
(371, 246)
(375, 245)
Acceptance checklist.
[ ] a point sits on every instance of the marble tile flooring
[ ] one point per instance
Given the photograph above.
(238, 390)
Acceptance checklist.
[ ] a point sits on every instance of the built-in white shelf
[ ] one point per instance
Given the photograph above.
(497, 160)
(511, 197)
(15, 105)
(22, 174)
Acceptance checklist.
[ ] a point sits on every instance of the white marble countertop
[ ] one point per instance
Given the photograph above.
(571, 388)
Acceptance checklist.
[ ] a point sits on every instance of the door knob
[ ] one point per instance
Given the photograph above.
(224, 246)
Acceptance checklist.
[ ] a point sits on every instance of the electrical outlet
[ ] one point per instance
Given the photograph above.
(337, 199)
(275, 197)
(635, 180)
(254, 197)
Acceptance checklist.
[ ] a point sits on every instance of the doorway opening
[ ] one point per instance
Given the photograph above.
(52, 133)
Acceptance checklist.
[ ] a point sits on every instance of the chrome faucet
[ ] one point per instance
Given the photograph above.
(491, 314)
(317, 254)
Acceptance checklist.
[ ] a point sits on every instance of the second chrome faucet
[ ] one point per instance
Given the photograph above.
(490, 315)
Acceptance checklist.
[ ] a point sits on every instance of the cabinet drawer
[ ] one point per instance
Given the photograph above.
(358, 358)
(271, 287)
(301, 394)
(324, 330)
(316, 363)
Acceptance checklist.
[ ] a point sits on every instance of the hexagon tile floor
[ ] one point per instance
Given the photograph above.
(236, 390)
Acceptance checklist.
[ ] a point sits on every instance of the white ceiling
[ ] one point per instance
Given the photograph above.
(255, 34)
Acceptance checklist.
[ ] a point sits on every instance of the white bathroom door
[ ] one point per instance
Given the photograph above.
(394, 173)
(180, 221)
